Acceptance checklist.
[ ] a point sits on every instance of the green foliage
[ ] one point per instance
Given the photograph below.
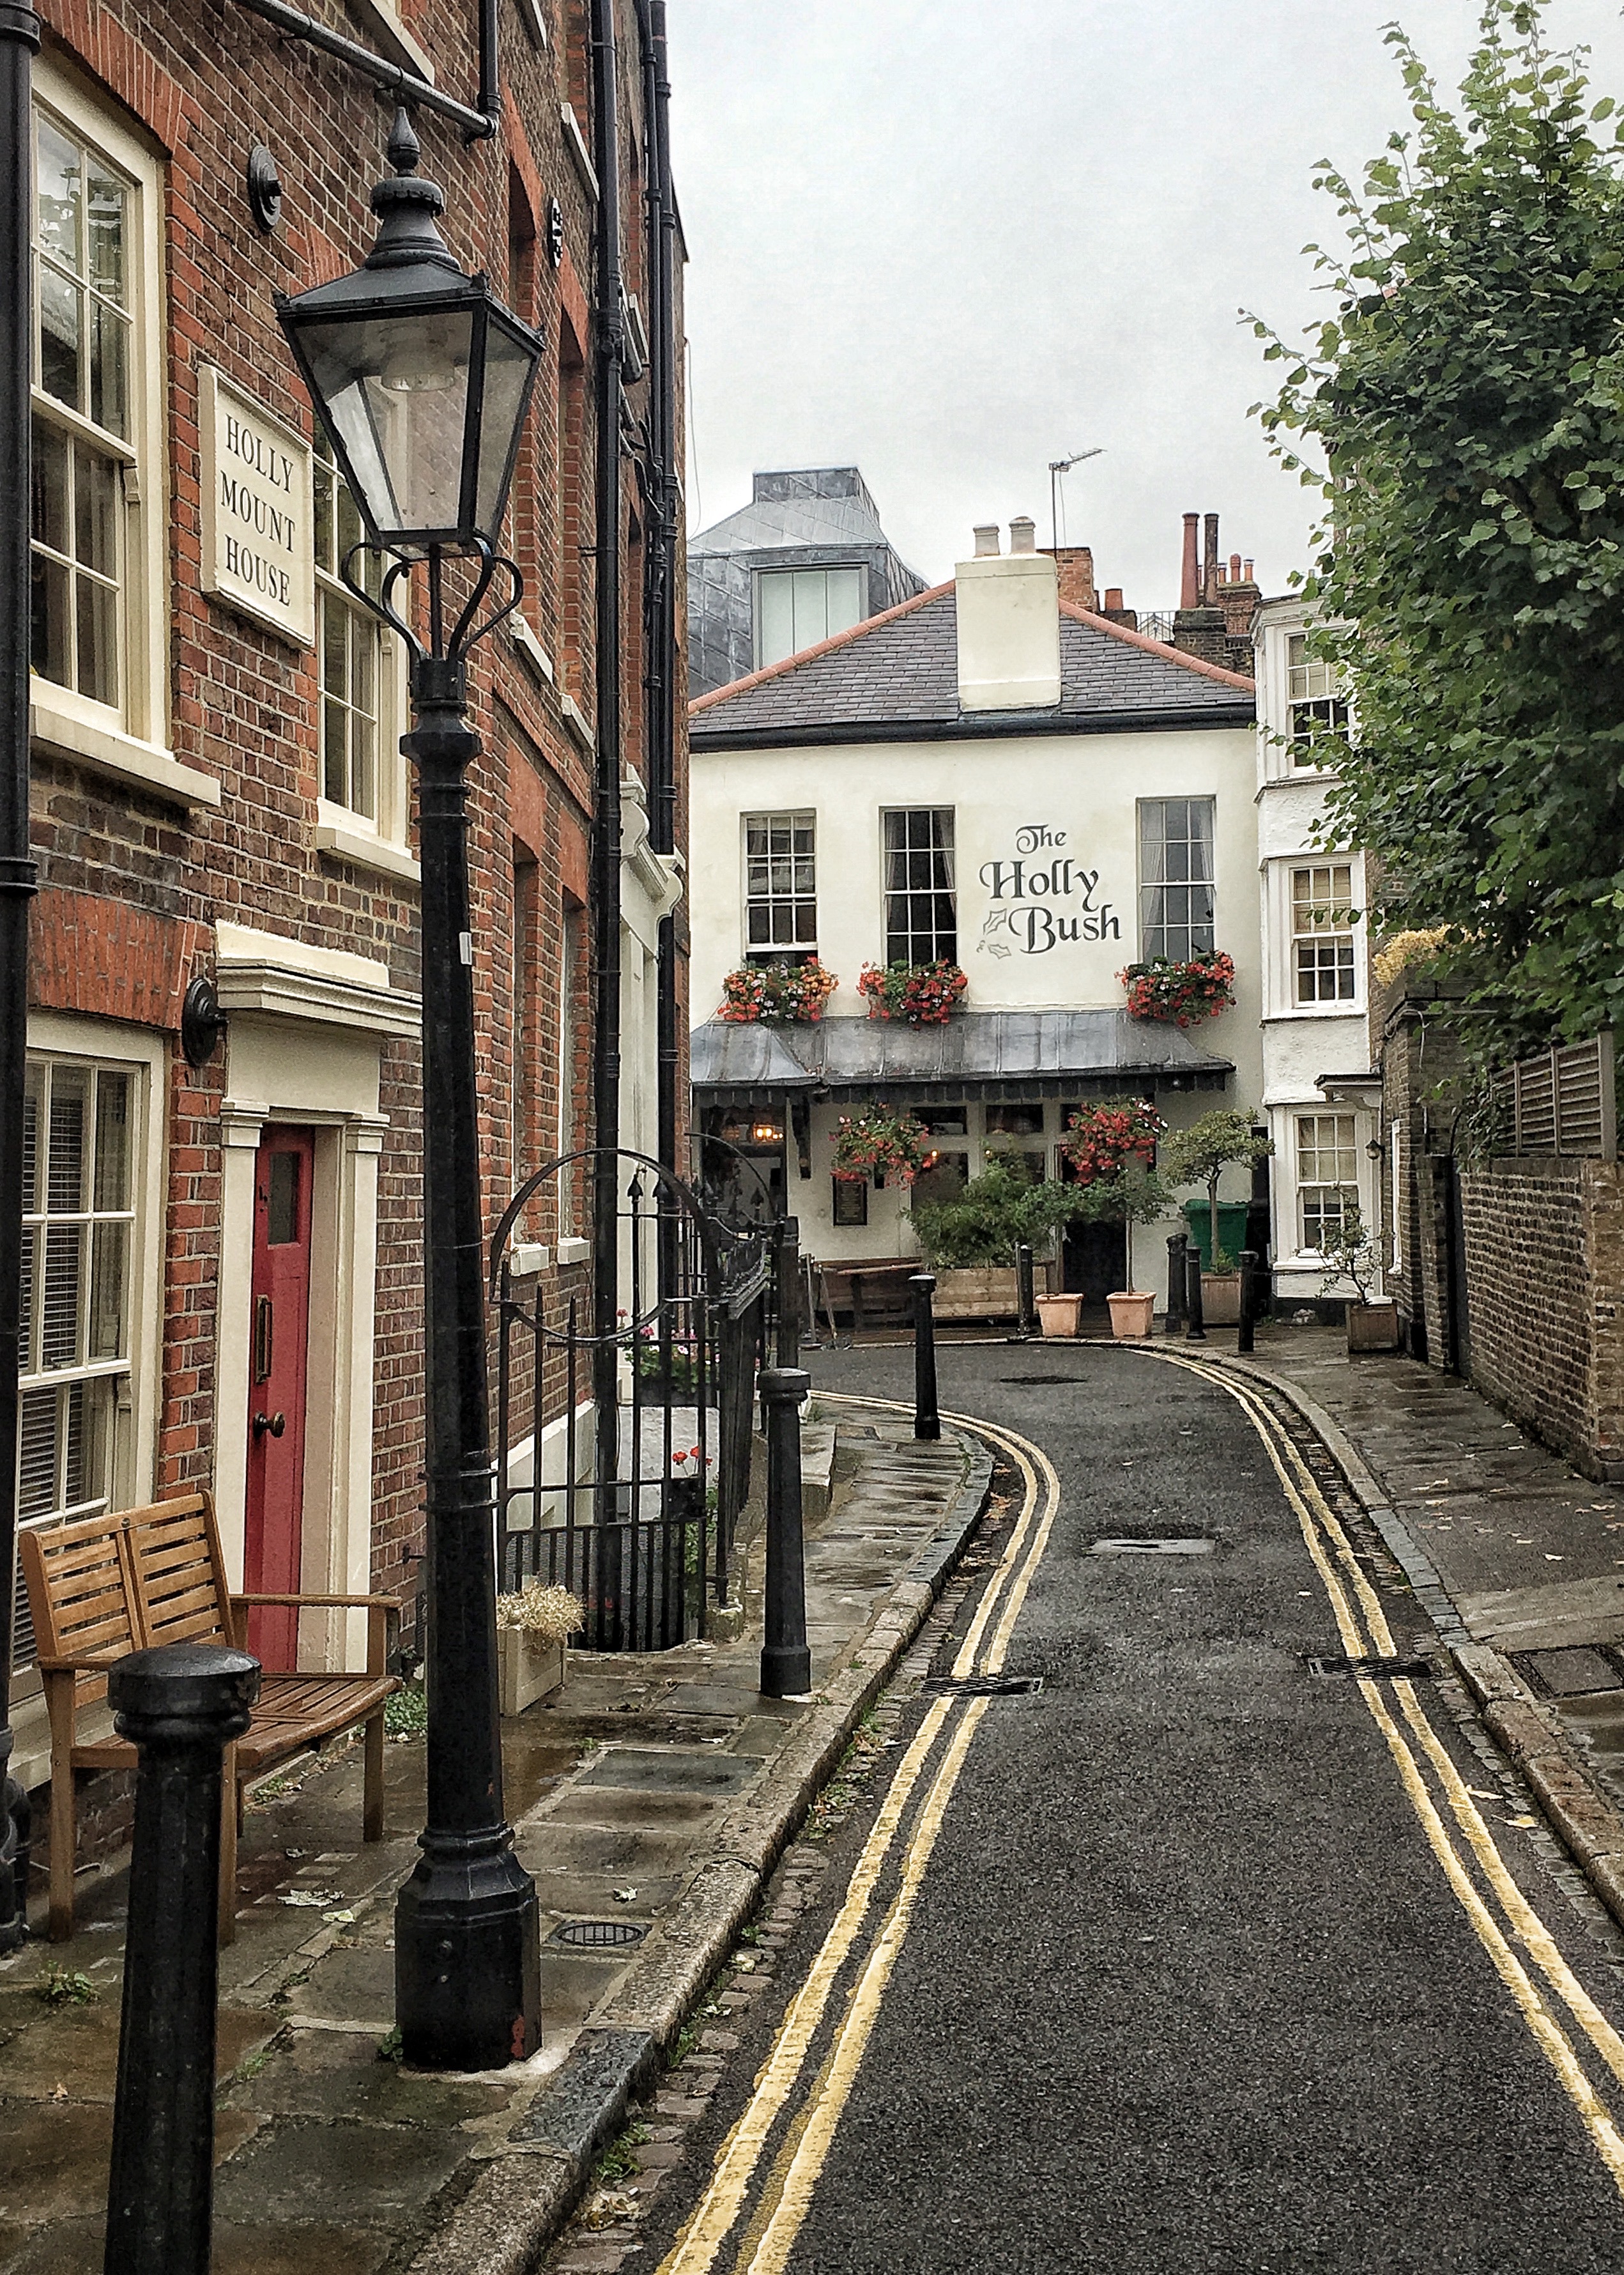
(391, 2047)
(1467, 395)
(64, 1988)
(1352, 1254)
(1136, 1195)
(982, 1224)
(619, 2160)
(405, 1710)
(1200, 1155)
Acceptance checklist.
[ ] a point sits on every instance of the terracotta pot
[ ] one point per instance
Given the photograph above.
(1220, 1299)
(1130, 1315)
(1373, 1327)
(1058, 1315)
(527, 1667)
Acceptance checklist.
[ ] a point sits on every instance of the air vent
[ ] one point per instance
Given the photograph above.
(598, 1935)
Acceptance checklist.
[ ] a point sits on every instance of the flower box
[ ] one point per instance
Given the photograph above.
(1180, 995)
(528, 1666)
(777, 994)
(1220, 1299)
(1373, 1327)
(923, 995)
(878, 1144)
(970, 1291)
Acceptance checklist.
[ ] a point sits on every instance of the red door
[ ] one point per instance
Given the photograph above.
(279, 1333)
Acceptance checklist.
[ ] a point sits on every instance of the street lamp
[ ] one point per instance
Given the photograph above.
(422, 380)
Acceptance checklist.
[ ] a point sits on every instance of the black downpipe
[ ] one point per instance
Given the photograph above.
(20, 37)
(609, 346)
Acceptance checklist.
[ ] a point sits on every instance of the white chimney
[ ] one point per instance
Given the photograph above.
(1008, 624)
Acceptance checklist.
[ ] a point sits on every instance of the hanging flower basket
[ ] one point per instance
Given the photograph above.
(777, 994)
(1179, 994)
(923, 994)
(880, 1144)
(1102, 1140)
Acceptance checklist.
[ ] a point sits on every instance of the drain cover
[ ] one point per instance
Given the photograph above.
(1413, 1667)
(599, 1935)
(987, 1686)
(1119, 1546)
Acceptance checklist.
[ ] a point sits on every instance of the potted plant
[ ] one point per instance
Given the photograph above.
(1134, 1195)
(532, 1628)
(777, 994)
(1102, 1140)
(877, 1143)
(1372, 1319)
(970, 1241)
(923, 994)
(1181, 993)
(1199, 1156)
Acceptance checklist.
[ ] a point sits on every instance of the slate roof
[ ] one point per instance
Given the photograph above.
(896, 676)
(988, 1050)
(767, 522)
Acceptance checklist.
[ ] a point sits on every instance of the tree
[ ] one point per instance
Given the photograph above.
(1200, 1155)
(1469, 399)
(1133, 1195)
(983, 1223)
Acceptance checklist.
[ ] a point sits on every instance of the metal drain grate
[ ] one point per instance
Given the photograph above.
(987, 1686)
(598, 1935)
(1120, 1546)
(1413, 1667)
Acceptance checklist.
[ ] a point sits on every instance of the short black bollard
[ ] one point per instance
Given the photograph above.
(1249, 1280)
(1177, 1243)
(1024, 1302)
(180, 1707)
(1195, 1324)
(788, 1336)
(786, 1662)
(927, 1423)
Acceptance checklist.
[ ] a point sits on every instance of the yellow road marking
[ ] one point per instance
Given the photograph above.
(717, 2213)
(812, 2152)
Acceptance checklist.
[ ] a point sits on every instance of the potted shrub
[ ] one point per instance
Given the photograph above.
(777, 994)
(1134, 1195)
(1199, 1156)
(878, 1144)
(532, 1628)
(970, 1242)
(1182, 993)
(1372, 1319)
(923, 994)
(1102, 1140)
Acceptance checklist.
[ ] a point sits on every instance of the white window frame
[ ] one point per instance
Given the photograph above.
(1320, 934)
(1310, 680)
(1395, 1158)
(1303, 1185)
(378, 842)
(911, 893)
(100, 1044)
(794, 818)
(1145, 887)
(130, 737)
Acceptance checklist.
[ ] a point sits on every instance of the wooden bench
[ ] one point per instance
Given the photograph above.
(113, 1584)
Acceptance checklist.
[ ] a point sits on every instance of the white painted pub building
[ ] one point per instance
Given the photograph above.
(1011, 782)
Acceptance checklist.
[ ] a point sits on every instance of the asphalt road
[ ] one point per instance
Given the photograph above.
(1184, 1983)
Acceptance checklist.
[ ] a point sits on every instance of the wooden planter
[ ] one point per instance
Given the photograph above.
(1130, 1315)
(1059, 1315)
(1220, 1299)
(975, 1292)
(527, 1667)
(1373, 1327)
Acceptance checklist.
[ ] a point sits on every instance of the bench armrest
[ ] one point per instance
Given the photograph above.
(340, 1603)
(84, 1662)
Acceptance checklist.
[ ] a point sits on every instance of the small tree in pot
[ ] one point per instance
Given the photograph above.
(1200, 1155)
(1372, 1319)
(1134, 1195)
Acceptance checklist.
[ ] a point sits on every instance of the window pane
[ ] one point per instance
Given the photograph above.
(59, 193)
(33, 1101)
(48, 485)
(335, 647)
(363, 779)
(775, 630)
(31, 1243)
(60, 1296)
(105, 204)
(109, 1251)
(60, 333)
(334, 771)
(48, 637)
(64, 1174)
(282, 1206)
(323, 499)
(112, 1176)
(844, 605)
(38, 1451)
(98, 641)
(96, 487)
(109, 348)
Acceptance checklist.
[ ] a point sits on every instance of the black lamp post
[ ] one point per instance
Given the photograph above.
(422, 382)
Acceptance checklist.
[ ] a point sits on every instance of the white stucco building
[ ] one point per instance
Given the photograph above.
(1321, 1101)
(990, 775)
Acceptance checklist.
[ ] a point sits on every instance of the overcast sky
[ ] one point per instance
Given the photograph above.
(949, 240)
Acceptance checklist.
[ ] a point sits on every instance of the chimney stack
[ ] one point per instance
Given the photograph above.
(1189, 590)
(1208, 578)
(1008, 609)
(1076, 565)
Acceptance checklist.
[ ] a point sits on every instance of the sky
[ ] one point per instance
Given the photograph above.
(950, 240)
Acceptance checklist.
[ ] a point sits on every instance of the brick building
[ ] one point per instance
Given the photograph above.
(218, 790)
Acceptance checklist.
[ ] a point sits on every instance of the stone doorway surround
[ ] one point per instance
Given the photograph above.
(308, 1026)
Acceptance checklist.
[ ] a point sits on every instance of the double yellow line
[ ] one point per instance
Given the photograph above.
(1363, 1628)
(769, 2236)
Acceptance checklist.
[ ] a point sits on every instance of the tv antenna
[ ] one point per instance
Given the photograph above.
(1058, 467)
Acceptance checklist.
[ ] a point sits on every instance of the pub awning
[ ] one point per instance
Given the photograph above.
(976, 1055)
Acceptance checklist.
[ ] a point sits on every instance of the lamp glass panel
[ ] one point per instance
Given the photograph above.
(395, 391)
(508, 365)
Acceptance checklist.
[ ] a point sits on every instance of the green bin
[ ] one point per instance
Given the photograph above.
(1231, 1228)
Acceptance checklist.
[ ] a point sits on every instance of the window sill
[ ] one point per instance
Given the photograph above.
(522, 636)
(111, 752)
(574, 1252)
(1311, 1012)
(394, 39)
(579, 725)
(574, 142)
(338, 835)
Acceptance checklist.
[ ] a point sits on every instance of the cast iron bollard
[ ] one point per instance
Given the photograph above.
(1248, 1277)
(1027, 1323)
(790, 1292)
(1178, 1243)
(786, 1662)
(926, 1421)
(180, 1707)
(1195, 1324)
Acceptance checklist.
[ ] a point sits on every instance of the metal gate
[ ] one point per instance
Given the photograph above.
(638, 1520)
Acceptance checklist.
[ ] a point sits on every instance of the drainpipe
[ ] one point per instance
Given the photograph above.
(608, 352)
